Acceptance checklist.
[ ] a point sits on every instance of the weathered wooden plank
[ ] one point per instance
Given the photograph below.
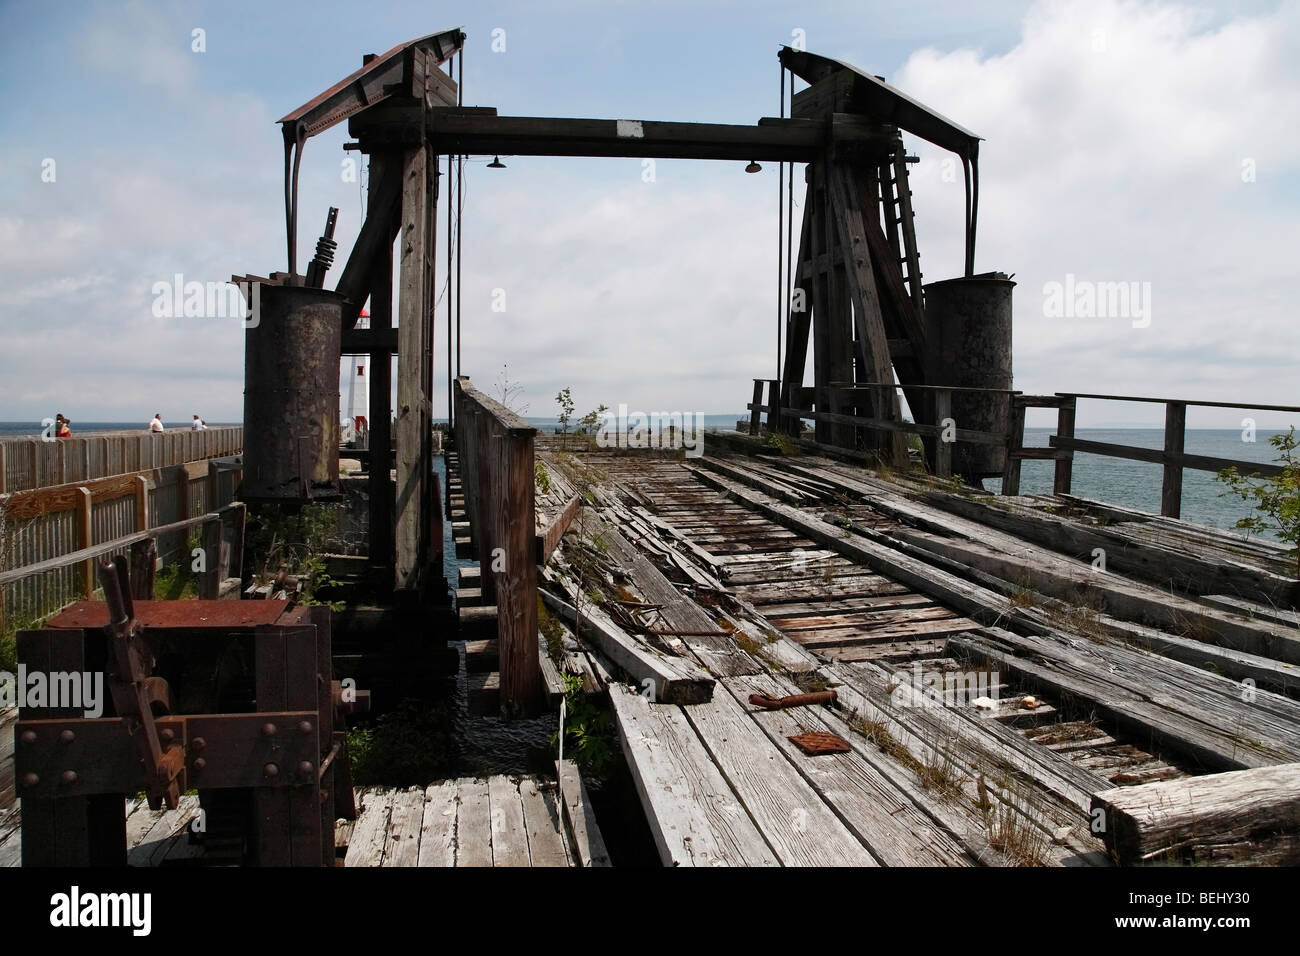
(695, 817)
(780, 801)
(473, 823)
(406, 818)
(370, 832)
(718, 654)
(1195, 713)
(415, 336)
(1241, 818)
(549, 538)
(438, 825)
(588, 846)
(880, 815)
(152, 846)
(509, 837)
(543, 825)
(674, 680)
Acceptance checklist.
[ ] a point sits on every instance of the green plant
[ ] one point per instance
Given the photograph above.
(589, 424)
(179, 581)
(589, 737)
(1276, 499)
(293, 542)
(565, 400)
(407, 746)
(552, 631)
(779, 443)
(541, 478)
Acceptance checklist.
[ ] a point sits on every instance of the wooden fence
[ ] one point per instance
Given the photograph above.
(495, 448)
(41, 527)
(27, 463)
(1061, 446)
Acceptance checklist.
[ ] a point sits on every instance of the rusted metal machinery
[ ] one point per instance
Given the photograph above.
(232, 698)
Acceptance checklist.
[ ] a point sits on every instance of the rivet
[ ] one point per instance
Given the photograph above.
(168, 735)
(305, 767)
(69, 776)
(30, 780)
(268, 729)
(29, 737)
(200, 764)
(304, 727)
(67, 737)
(197, 744)
(271, 770)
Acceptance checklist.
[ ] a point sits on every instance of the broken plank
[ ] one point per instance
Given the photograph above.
(1241, 818)
(674, 680)
(588, 846)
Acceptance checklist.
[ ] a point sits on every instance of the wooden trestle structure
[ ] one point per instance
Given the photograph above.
(859, 301)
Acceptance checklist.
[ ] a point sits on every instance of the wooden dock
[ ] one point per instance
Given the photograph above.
(777, 576)
(501, 821)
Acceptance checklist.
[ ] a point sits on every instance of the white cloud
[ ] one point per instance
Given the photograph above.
(1112, 155)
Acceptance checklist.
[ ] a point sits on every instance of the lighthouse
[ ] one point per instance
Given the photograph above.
(356, 426)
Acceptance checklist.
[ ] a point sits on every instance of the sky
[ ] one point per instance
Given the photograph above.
(1149, 143)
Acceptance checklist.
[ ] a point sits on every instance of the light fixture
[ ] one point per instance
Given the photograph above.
(496, 163)
(753, 167)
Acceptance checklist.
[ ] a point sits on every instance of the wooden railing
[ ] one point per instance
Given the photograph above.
(941, 396)
(37, 462)
(1061, 446)
(495, 448)
(1171, 457)
(49, 537)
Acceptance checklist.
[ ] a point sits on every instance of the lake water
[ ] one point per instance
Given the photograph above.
(1132, 484)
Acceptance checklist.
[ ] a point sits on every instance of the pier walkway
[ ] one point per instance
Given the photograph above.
(714, 582)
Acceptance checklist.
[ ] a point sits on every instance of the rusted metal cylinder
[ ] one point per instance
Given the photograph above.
(968, 344)
(291, 395)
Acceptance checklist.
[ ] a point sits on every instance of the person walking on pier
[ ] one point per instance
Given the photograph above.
(199, 425)
(156, 424)
(65, 428)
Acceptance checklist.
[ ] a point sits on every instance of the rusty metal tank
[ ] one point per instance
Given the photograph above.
(291, 395)
(968, 344)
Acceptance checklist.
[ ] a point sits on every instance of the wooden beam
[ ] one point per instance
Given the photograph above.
(1171, 488)
(382, 223)
(549, 539)
(414, 334)
(673, 680)
(772, 140)
(851, 233)
(86, 539)
(1239, 818)
(379, 279)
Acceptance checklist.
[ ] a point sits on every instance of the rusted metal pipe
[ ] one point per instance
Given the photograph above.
(793, 700)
